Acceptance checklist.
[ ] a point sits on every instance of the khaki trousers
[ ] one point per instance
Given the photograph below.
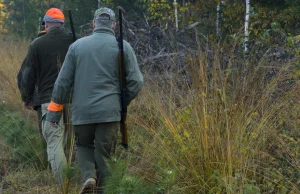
(55, 138)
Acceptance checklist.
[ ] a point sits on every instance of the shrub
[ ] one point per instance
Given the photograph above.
(217, 130)
(22, 137)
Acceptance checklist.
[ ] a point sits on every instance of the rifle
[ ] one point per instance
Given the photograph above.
(72, 26)
(122, 79)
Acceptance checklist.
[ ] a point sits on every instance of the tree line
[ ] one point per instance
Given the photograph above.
(215, 18)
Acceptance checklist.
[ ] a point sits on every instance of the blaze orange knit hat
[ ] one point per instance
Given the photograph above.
(54, 15)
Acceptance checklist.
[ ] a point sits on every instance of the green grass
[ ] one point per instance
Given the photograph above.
(22, 137)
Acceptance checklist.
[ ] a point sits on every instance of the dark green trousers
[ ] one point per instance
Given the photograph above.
(95, 145)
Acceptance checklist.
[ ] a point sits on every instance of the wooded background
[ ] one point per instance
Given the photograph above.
(20, 18)
(213, 116)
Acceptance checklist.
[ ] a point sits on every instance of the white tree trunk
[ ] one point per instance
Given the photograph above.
(99, 4)
(219, 19)
(247, 25)
(176, 14)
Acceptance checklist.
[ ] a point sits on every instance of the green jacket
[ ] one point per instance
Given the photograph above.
(41, 65)
(91, 70)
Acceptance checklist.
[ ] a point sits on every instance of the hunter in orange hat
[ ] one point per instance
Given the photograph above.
(42, 63)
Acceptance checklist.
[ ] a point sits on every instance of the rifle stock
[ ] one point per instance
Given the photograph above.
(122, 79)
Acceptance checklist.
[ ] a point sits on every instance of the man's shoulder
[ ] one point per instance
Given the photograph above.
(36, 41)
(40, 39)
(70, 33)
(127, 46)
(83, 40)
(126, 43)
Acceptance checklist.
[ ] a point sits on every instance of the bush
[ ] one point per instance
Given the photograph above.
(22, 137)
(217, 130)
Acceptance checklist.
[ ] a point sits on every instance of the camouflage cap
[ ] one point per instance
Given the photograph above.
(105, 13)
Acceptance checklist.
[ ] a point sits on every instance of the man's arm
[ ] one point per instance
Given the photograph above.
(27, 76)
(62, 87)
(134, 77)
(19, 79)
(65, 79)
(20, 75)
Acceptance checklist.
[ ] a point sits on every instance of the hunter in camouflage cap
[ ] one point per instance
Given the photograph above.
(105, 13)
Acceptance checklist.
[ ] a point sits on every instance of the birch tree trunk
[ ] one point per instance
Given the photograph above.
(176, 14)
(99, 4)
(247, 26)
(219, 19)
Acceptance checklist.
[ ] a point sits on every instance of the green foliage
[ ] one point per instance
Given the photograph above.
(292, 3)
(82, 12)
(159, 11)
(122, 182)
(17, 21)
(166, 181)
(24, 21)
(22, 137)
(269, 3)
(239, 184)
(233, 22)
(137, 5)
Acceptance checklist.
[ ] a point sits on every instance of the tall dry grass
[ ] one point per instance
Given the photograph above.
(221, 131)
(218, 127)
(12, 54)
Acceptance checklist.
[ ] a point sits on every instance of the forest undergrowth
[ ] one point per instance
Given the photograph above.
(218, 123)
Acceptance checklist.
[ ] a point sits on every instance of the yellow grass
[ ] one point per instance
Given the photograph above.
(219, 131)
(11, 54)
(216, 133)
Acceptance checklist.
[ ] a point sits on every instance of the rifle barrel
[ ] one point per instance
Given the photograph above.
(122, 75)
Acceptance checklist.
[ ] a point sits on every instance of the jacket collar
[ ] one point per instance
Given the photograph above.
(104, 30)
(55, 29)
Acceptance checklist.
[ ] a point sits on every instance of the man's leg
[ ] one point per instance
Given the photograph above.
(69, 133)
(54, 136)
(44, 145)
(39, 115)
(84, 138)
(105, 144)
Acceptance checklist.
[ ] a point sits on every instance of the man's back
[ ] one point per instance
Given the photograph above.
(45, 56)
(39, 72)
(96, 83)
(91, 66)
